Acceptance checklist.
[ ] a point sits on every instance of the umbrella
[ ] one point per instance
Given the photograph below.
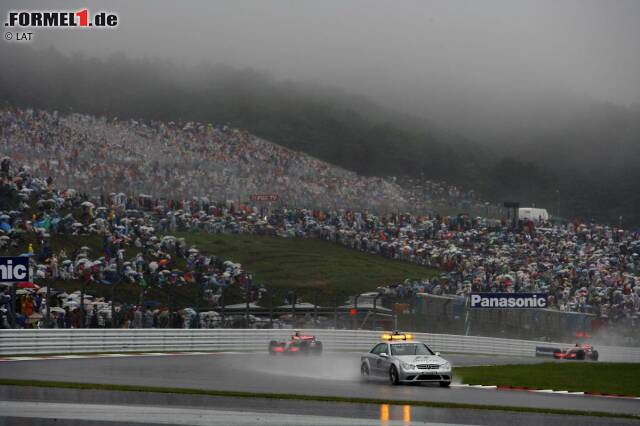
(189, 311)
(57, 309)
(26, 284)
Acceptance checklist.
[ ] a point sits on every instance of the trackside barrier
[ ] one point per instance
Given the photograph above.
(73, 341)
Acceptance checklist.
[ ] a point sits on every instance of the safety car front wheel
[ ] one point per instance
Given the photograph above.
(393, 375)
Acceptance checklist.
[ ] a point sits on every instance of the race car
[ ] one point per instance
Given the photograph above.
(298, 344)
(578, 352)
(401, 359)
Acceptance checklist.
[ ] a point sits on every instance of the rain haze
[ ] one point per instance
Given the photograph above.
(279, 212)
(555, 83)
(422, 56)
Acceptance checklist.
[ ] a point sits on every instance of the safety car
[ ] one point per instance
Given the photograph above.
(401, 359)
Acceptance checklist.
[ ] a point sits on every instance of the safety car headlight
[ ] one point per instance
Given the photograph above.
(406, 366)
(445, 366)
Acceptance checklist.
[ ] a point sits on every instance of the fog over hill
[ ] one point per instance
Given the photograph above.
(558, 128)
(534, 101)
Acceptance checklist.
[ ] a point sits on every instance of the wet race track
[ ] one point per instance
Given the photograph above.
(328, 375)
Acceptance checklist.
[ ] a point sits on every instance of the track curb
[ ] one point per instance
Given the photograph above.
(550, 391)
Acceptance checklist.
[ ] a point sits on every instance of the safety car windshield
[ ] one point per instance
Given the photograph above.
(410, 349)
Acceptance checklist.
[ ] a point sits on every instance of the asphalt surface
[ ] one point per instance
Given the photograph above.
(42, 406)
(327, 375)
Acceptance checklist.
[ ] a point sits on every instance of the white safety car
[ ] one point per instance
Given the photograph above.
(403, 360)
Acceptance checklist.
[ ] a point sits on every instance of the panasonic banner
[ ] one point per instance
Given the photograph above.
(14, 269)
(508, 300)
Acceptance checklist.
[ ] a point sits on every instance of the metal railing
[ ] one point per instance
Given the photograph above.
(74, 341)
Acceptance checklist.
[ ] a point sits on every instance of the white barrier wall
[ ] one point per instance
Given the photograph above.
(69, 341)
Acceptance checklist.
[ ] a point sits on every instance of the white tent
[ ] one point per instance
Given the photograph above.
(533, 213)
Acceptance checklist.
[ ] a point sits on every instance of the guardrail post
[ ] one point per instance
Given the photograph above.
(14, 318)
(48, 311)
(315, 308)
(113, 304)
(271, 308)
(293, 306)
(222, 305)
(82, 311)
(247, 285)
(467, 323)
(354, 317)
(375, 311)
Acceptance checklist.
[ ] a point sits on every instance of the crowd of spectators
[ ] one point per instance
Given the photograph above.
(135, 183)
(180, 161)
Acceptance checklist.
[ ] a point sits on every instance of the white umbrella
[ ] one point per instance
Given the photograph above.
(70, 304)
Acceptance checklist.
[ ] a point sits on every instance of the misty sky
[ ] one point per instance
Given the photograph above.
(393, 51)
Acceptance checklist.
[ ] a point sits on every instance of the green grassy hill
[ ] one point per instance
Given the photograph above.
(279, 263)
(308, 264)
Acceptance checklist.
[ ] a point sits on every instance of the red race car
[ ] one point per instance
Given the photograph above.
(298, 344)
(578, 352)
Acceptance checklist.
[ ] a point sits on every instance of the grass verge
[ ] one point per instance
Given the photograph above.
(320, 398)
(609, 378)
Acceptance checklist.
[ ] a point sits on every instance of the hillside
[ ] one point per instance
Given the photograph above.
(345, 130)
(279, 264)
(578, 159)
